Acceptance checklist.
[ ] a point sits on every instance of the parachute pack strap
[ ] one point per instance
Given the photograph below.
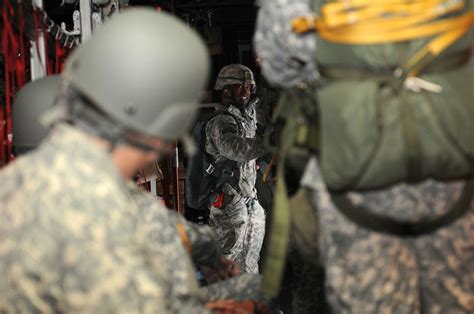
(375, 222)
(208, 158)
(367, 22)
(412, 140)
(307, 134)
(277, 243)
(278, 239)
(304, 222)
(299, 104)
(347, 73)
(446, 63)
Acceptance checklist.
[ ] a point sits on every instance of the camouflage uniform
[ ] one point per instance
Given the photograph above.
(240, 222)
(76, 237)
(369, 272)
(267, 100)
(287, 58)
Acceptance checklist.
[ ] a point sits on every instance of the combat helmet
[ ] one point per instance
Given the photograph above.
(31, 101)
(234, 74)
(144, 70)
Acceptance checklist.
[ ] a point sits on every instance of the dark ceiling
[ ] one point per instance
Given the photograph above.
(226, 25)
(225, 13)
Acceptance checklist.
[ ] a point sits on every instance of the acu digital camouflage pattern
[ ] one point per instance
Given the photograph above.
(77, 238)
(369, 272)
(234, 74)
(287, 58)
(267, 98)
(240, 222)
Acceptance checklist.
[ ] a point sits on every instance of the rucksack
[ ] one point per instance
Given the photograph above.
(204, 176)
(376, 130)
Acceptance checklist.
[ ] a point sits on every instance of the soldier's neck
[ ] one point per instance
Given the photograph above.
(127, 159)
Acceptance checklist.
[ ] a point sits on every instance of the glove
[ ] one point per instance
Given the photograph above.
(226, 269)
(238, 307)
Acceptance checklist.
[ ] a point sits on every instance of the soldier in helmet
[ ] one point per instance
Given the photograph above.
(31, 101)
(85, 238)
(404, 245)
(236, 214)
(37, 97)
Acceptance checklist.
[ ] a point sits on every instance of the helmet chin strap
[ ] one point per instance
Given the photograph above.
(83, 114)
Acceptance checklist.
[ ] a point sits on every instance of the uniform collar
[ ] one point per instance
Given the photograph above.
(77, 147)
(236, 111)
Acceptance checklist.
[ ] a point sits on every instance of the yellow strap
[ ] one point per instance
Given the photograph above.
(361, 36)
(269, 168)
(367, 22)
(184, 237)
(388, 11)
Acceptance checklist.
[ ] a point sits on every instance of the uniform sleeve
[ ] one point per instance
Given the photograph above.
(240, 288)
(205, 250)
(223, 133)
(166, 257)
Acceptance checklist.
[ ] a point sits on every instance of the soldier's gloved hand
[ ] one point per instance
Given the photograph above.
(221, 306)
(225, 270)
(228, 268)
(240, 307)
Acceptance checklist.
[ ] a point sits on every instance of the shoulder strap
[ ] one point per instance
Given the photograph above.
(227, 113)
(209, 161)
(383, 224)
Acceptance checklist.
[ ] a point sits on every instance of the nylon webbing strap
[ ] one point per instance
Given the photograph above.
(274, 265)
(184, 237)
(446, 63)
(278, 240)
(411, 137)
(384, 224)
(367, 22)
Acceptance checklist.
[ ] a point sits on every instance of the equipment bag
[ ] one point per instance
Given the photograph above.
(393, 111)
(204, 177)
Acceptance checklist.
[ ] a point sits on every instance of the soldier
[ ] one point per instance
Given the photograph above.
(37, 97)
(238, 220)
(77, 235)
(31, 101)
(406, 246)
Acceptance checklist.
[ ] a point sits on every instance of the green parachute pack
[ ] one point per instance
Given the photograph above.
(395, 103)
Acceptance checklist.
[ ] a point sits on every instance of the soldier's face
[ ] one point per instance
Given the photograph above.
(241, 94)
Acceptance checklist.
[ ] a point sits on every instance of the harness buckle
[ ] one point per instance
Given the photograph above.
(210, 169)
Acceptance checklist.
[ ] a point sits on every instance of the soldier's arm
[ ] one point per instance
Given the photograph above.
(223, 131)
(243, 287)
(163, 247)
(202, 241)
